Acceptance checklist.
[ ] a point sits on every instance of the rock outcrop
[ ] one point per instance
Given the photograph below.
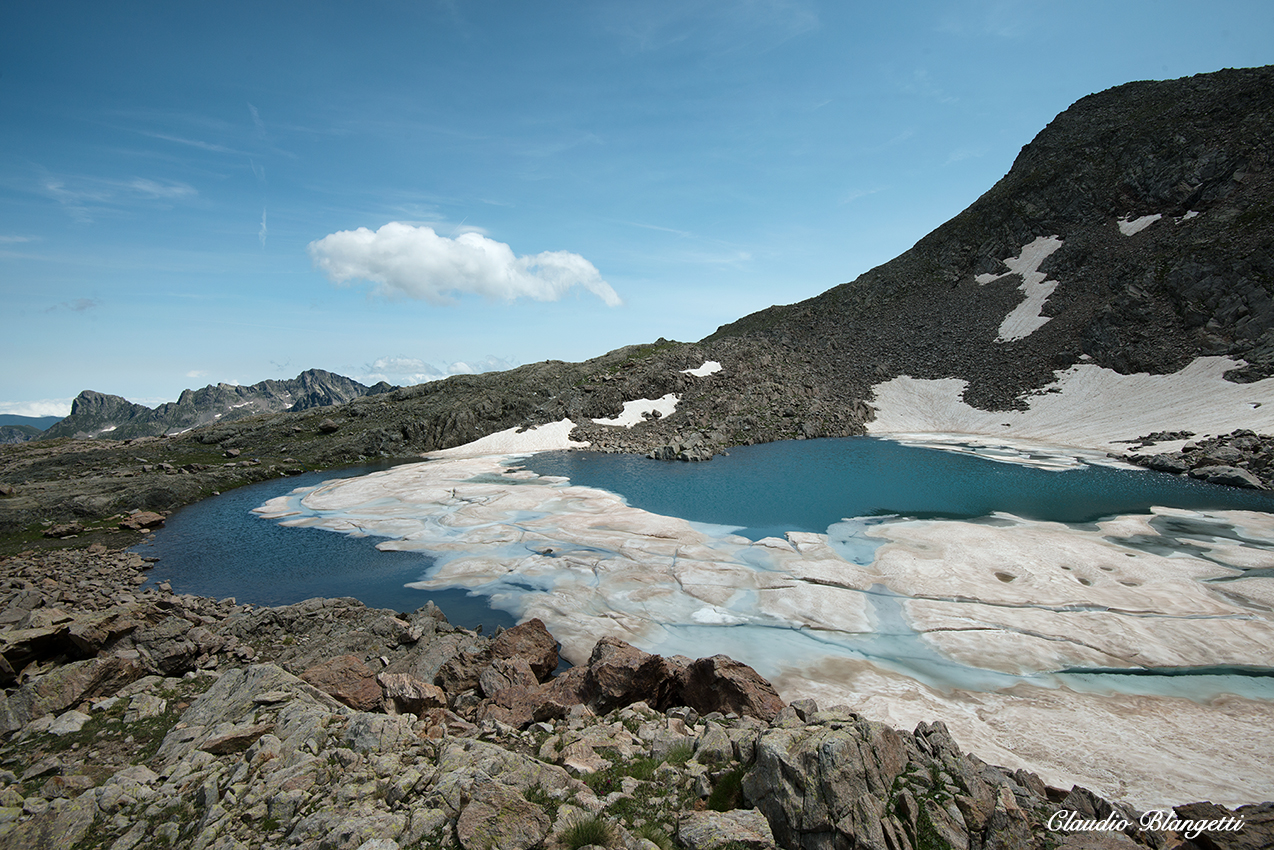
(132, 715)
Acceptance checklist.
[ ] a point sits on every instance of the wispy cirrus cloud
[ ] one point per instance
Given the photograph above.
(415, 262)
(82, 196)
(78, 305)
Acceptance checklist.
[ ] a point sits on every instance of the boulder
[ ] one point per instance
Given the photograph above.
(521, 705)
(65, 529)
(1174, 463)
(620, 674)
(498, 816)
(744, 829)
(1229, 475)
(169, 646)
(722, 684)
(141, 520)
(822, 786)
(405, 694)
(462, 670)
(347, 679)
(65, 686)
(506, 673)
(531, 642)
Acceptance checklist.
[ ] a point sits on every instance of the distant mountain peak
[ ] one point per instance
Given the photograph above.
(95, 414)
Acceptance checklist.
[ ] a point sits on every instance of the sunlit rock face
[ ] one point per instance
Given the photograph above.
(975, 622)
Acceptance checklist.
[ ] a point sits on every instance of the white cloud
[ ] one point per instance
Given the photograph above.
(196, 373)
(263, 232)
(11, 240)
(489, 363)
(408, 371)
(81, 196)
(416, 262)
(43, 407)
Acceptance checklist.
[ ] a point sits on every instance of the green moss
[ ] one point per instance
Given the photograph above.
(927, 837)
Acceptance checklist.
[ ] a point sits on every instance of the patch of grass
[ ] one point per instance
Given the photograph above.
(656, 836)
(679, 754)
(727, 794)
(642, 768)
(592, 829)
(546, 801)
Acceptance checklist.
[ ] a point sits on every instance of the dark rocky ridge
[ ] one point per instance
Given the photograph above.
(1150, 302)
(95, 414)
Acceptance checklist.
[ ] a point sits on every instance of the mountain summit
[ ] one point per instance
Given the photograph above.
(95, 414)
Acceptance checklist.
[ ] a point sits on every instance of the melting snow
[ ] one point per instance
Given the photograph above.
(708, 367)
(1129, 227)
(635, 411)
(542, 438)
(1026, 318)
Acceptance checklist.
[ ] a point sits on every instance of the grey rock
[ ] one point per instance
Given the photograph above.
(1229, 475)
(498, 816)
(68, 723)
(741, 828)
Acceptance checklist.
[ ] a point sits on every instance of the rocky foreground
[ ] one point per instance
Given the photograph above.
(133, 715)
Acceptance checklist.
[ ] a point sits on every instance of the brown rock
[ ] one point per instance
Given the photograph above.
(531, 642)
(722, 684)
(142, 519)
(1257, 832)
(461, 671)
(66, 686)
(65, 529)
(521, 705)
(506, 673)
(347, 679)
(620, 674)
(93, 631)
(405, 694)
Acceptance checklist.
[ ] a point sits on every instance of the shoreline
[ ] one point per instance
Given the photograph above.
(809, 581)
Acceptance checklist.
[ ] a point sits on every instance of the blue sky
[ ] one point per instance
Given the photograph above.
(200, 192)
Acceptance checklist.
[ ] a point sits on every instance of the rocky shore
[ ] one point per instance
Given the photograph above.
(135, 715)
(1241, 458)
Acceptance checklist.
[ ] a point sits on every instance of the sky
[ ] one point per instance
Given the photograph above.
(199, 192)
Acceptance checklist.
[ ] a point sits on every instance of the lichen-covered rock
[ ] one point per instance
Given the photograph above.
(498, 816)
(745, 829)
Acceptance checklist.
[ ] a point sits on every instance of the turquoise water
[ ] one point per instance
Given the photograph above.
(810, 485)
(219, 548)
(836, 487)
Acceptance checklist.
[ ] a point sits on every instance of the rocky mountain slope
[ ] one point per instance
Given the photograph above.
(95, 414)
(135, 716)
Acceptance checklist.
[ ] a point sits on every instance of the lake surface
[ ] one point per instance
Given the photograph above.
(219, 548)
(809, 485)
